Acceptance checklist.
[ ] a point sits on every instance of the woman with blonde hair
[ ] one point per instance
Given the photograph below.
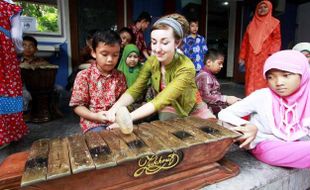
(172, 76)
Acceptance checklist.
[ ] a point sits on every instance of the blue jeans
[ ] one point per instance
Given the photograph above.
(97, 129)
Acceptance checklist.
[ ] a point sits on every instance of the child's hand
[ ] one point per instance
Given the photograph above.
(249, 132)
(232, 99)
(101, 117)
(113, 126)
(110, 115)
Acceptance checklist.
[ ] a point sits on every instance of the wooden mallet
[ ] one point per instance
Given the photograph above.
(124, 120)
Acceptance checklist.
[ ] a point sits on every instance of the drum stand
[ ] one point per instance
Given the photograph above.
(40, 107)
(40, 83)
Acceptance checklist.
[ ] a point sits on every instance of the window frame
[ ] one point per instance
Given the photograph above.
(60, 22)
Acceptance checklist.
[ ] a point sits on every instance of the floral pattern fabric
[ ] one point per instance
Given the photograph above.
(140, 41)
(96, 92)
(12, 125)
(195, 49)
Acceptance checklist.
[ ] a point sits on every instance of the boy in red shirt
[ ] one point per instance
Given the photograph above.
(97, 88)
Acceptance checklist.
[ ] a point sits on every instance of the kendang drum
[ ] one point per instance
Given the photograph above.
(177, 154)
(39, 80)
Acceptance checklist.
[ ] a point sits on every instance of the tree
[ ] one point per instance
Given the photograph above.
(46, 15)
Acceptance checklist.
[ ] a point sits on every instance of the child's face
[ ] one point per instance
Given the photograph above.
(144, 25)
(216, 65)
(132, 59)
(29, 48)
(283, 83)
(126, 38)
(262, 9)
(106, 56)
(307, 54)
(193, 27)
(163, 45)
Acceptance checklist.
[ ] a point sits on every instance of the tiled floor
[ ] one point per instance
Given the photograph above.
(69, 124)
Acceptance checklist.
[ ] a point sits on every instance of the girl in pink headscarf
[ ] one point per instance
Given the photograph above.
(280, 114)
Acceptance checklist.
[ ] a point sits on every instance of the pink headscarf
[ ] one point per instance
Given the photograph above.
(291, 113)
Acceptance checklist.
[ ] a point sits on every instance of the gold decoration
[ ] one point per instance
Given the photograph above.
(153, 164)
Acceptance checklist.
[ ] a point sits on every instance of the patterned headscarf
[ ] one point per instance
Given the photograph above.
(291, 113)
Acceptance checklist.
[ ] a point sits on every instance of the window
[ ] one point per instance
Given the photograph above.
(41, 17)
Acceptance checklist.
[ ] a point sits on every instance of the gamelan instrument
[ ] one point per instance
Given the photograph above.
(176, 154)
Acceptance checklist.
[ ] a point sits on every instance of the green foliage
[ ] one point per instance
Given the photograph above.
(47, 16)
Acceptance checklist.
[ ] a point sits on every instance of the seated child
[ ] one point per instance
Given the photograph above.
(30, 60)
(279, 114)
(131, 67)
(85, 53)
(98, 87)
(127, 37)
(30, 45)
(129, 63)
(208, 85)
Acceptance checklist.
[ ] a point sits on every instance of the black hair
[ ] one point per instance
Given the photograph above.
(108, 37)
(213, 54)
(144, 16)
(128, 30)
(31, 39)
(91, 33)
(193, 19)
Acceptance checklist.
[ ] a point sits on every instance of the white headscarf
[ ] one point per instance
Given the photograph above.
(302, 46)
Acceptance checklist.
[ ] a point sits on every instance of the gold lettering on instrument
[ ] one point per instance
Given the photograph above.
(153, 164)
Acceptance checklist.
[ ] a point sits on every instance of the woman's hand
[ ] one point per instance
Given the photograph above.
(125, 100)
(249, 132)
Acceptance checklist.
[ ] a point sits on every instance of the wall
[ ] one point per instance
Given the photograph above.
(303, 23)
(288, 25)
(99, 14)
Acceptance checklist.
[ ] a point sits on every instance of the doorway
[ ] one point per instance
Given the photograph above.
(218, 29)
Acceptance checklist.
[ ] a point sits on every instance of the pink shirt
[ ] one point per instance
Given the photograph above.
(97, 92)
